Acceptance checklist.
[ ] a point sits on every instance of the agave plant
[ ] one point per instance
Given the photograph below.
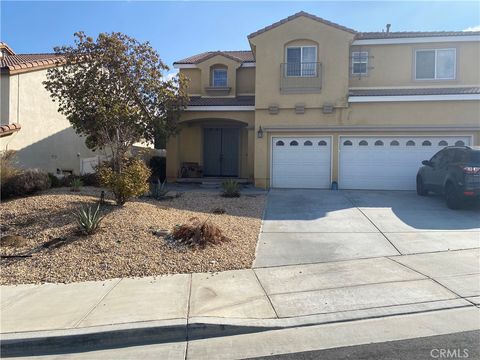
(231, 188)
(88, 219)
(159, 189)
(76, 184)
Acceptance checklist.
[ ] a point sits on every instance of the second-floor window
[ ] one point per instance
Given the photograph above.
(219, 77)
(435, 64)
(359, 62)
(301, 61)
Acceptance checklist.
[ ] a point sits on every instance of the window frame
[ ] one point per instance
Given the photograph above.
(435, 78)
(301, 47)
(213, 70)
(359, 62)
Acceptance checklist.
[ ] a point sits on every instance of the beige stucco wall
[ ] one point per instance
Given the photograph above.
(246, 81)
(393, 65)
(333, 53)
(46, 139)
(195, 80)
(4, 99)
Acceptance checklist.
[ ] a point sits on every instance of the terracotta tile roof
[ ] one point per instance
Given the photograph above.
(9, 129)
(237, 101)
(418, 91)
(4, 46)
(27, 61)
(238, 55)
(411, 34)
(294, 16)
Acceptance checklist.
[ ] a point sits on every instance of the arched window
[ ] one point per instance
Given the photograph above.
(379, 143)
(410, 143)
(279, 143)
(218, 76)
(347, 143)
(394, 143)
(307, 143)
(443, 143)
(323, 143)
(293, 143)
(426, 143)
(363, 143)
(459, 143)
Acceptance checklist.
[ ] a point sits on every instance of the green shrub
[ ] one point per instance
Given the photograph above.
(76, 184)
(158, 189)
(56, 182)
(132, 181)
(7, 166)
(88, 219)
(25, 183)
(90, 179)
(158, 165)
(231, 188)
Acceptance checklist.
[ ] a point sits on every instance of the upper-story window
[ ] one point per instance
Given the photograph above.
(219, 77)
(359, 62)
(435, 64)
(301, 61)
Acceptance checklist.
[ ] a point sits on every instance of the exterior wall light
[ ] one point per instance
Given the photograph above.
(260, 133)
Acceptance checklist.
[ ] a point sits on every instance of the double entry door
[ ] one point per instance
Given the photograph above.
(221, 151)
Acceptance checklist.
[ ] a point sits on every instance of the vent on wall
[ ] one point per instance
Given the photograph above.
(299, 109)
(327, 108)
(273, 109)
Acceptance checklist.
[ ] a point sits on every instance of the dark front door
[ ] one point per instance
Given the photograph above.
(220, 151)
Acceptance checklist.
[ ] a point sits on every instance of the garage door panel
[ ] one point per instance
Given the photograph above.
(305, 165)
(392, 166)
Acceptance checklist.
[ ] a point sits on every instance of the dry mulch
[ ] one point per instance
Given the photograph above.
(126, 245)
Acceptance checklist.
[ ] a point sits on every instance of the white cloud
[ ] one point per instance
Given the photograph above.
(473, 28)
(170, 75)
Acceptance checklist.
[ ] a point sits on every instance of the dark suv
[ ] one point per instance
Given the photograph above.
(455, 172)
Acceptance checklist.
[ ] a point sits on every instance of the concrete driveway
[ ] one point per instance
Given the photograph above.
(312, 226)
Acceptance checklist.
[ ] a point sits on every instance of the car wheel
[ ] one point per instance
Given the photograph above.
(421, 189)
(454, 201)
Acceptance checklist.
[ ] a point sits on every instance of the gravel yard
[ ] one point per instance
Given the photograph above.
(126, 245)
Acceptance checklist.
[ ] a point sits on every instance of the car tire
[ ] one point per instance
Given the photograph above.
(421, 189)
(452, 197)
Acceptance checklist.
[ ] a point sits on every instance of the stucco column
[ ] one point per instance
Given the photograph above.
(173, 159)
(261, 160)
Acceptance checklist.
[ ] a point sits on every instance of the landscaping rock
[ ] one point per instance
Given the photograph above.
(13, 241)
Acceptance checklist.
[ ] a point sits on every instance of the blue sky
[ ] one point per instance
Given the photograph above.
(179, 29)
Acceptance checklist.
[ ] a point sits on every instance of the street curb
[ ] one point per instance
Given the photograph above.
(114, 336)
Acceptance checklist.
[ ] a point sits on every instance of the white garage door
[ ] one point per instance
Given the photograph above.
(387, 163)
(301, 162)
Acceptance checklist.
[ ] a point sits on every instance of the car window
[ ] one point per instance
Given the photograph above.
(437, 157)
(461, 156)
(475, 157)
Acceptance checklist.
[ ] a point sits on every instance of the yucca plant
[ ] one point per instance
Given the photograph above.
(76, 184)
(231, 188)
(88, 219)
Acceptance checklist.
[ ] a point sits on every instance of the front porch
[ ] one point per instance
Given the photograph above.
(210, 150)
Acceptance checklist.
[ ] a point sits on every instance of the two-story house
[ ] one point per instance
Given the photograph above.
(315, 102)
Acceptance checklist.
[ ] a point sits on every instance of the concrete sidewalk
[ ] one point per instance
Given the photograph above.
(276, 296)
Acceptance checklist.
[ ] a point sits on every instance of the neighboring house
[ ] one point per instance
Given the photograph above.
(314, 102)
(30, 123)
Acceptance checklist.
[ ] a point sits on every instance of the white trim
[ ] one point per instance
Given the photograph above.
(220, 108)
(374, 128)
(184, 66)
(435, 64)
(194, 66)
(456, 97)
(272, 136)
(418, 40)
